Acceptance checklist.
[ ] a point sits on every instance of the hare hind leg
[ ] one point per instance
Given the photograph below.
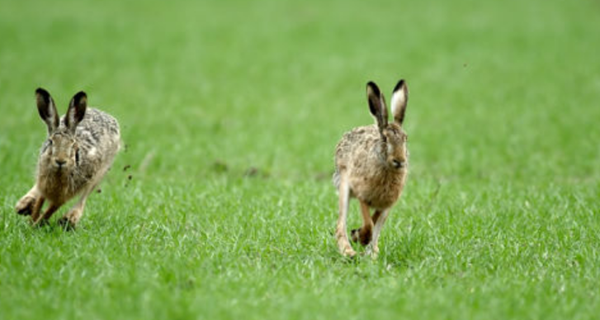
(379, 217)
(340, 233)
(364, 233)
(376, 215)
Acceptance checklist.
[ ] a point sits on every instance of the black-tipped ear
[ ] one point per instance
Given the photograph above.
(399, 101)
(76, 111)
(47, 109)
(377, 105)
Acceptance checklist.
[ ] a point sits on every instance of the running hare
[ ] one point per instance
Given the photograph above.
(78, 152)
(371, 164)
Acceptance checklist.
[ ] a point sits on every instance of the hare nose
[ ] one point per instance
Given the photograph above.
(60, 163)
(398, 164)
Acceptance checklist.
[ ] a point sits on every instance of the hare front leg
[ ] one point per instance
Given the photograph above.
(364, 233)
(70, 219)
(43, 218)
(379, 218)
(37, 207)
(26, 204)
(340, 233)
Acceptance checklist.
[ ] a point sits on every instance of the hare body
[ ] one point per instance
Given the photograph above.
(357, 155)
(80, 149)
(371, 165)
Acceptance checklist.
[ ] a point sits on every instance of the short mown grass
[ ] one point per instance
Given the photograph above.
(220, 206)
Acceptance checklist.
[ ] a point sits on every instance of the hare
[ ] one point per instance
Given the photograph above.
(371, 164)
(79, 150)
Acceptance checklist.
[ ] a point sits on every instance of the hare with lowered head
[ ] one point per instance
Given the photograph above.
(371, 164)
(78, 152)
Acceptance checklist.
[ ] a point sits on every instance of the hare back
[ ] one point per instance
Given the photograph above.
(99, 139)
(358, 149)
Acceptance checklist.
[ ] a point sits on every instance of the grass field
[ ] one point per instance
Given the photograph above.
(230, 112)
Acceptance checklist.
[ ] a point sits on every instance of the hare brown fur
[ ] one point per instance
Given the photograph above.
(78, 152)
(371, 165)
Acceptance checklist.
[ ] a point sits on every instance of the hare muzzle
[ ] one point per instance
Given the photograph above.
(398, 164)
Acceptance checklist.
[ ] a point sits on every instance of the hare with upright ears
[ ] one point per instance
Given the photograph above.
(371, 164)
(79, 150)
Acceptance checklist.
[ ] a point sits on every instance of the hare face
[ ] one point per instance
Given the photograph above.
(60, 151)
(396, 155)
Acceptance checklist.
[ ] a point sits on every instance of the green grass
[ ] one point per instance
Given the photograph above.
(499, 219)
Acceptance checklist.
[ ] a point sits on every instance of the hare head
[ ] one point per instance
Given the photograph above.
(393, 149)
(60, 152)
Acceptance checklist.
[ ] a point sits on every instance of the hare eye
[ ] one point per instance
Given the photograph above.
(47, 145)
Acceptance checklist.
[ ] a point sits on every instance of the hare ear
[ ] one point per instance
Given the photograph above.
(47, 109)
(377, 105)
(399, 101)
(76, 111)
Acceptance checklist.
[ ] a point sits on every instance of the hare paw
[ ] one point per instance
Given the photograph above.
(66, 223)
(25, 205)
(359, 235)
